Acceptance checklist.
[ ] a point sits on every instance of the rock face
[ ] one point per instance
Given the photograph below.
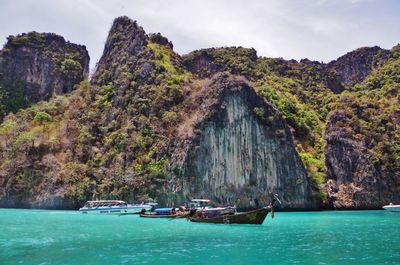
(244, 151)
(354, 181)
(354, 66)
(36, 66)
(349, 168)
(219, 123)
(245, 62)
(124, 51)
(206, 62)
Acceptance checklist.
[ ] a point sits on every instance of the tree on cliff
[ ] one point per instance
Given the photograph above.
(42, 118)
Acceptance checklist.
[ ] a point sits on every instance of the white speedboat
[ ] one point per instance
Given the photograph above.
(113, 207)
(392, 207)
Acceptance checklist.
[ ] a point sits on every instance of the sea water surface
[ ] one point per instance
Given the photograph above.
(68, 237)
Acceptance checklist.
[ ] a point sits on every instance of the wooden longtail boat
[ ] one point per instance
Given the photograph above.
(153, 215)
(251, 217)
(165, 213)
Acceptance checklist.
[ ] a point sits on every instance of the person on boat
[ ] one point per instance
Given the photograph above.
(192, 212)
(200, 214)
(143, 211)
(173, 211)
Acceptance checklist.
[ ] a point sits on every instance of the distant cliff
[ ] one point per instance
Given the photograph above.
(355, 66)
(36, 66)
(221, 123)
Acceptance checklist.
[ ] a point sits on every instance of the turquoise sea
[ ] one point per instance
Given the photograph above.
(68, 237)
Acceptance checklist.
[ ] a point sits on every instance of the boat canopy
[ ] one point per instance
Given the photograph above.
(199, 203)
(104, 203)
(164, 211)
(151, 203)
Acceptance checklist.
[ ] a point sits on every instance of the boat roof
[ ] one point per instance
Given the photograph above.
(106, 201)
(151, 203)
(200, 200)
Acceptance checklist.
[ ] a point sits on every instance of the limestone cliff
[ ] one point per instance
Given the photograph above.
(243, 151)
(124, 51)
(36, 66)
(236, 60)
(220, 123)
(362, 148)
(356, 180)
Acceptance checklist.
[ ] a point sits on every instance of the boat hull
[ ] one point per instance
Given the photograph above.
(116, 211)
(252, 217)
(392, 208)
(149, 215)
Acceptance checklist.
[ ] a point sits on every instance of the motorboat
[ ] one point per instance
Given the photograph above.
(113, 207)
(392, 207)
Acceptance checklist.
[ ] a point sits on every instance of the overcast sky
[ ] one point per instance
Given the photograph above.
(320, 30)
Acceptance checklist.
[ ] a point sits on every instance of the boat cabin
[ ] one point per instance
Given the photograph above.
(164, 211)
(199, 203)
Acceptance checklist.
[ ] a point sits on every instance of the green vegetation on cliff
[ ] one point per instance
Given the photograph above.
(113, 137)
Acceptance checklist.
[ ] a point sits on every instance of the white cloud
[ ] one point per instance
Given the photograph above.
(320, 30)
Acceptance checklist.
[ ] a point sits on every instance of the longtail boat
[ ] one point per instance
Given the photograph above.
(153, 215)
(228, 215)
(251, 217)
(165, 213)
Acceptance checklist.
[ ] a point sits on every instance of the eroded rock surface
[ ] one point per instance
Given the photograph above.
(354, 180)
(36, 66)
(244, 152)
(354, 66)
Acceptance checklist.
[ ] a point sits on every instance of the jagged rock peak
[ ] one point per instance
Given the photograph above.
(353, 67)
(395, 51)
(35, 66)
(160, 39)
(125, 29)
(125, 42)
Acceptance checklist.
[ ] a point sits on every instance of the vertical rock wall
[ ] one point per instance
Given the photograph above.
(353, 180)
(238, 157)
